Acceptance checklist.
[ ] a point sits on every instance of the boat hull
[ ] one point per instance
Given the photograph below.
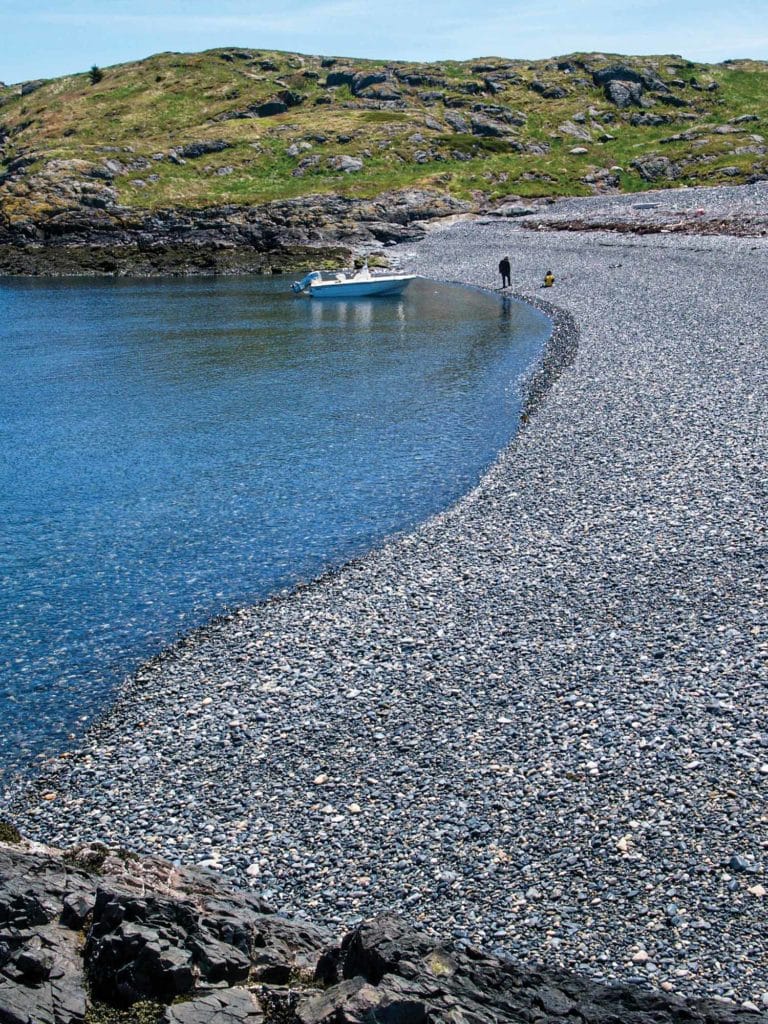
(360, 289)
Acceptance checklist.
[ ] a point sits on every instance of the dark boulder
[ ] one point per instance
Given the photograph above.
(27, 88)
(624, 94)
(365, 79)
(430, 97)
(488, 127)
(418, 79)
(193, 150)
(76, 909)
(656, 168)
(549, 92)
(336, 78)
(456, 121)
(270, 108)
(357, 81)
(380, 947)
(472, 88)
(650, 119)
(384, 91)
(624, 73)
(498, 113)
(494, 87)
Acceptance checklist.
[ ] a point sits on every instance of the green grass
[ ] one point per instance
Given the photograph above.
(383, 117)
(151, 106)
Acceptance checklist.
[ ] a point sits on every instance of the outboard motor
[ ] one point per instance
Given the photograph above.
(299, 286)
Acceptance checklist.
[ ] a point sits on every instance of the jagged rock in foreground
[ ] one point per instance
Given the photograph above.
(92, 936)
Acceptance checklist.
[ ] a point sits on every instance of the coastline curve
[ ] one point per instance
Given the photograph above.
(535, 721)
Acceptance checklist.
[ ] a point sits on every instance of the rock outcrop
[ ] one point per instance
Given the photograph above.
(90, 935)
(86, 231)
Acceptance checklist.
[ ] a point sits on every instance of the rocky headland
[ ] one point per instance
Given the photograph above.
(254, 161)
(280, 237)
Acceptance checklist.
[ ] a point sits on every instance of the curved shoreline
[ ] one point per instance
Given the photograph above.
(308, 531)
(558, 352)
(522, 724)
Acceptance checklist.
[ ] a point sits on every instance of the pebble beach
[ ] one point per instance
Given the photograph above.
(536, 724)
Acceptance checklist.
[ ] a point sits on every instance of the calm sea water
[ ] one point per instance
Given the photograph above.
(169, 449)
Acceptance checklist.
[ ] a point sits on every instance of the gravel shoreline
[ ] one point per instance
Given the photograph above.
(538, 722)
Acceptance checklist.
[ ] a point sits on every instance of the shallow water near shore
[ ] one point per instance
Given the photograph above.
(171, 449)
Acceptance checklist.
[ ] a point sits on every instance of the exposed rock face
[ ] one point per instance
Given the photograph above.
(489, 127)
(359, 82)
(88, 930)
(347, 164)
(548, 91)
(270, 108)
(456, 121)
(88, 232)
(384, 92)
(498, 113)
(418, 79)
(193, 150)
(575, 130)
(624, 94)
(650, 119)
(27, 88)
(656, 168)
(625, 73)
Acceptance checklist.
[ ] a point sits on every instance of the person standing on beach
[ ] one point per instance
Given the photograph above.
(505, 270)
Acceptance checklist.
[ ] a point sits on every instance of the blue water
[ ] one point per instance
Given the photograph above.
(169, 449)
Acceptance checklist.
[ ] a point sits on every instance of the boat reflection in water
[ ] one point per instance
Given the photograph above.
(354, 313)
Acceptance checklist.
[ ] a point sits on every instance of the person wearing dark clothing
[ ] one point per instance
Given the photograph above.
(505, 270)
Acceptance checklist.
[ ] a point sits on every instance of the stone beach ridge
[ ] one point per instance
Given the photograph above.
(537, 723)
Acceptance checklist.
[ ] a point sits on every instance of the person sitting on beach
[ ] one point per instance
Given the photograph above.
(549, 279)
(505, 269)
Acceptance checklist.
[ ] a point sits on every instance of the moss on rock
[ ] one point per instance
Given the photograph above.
(8, 832)
(139, 1013)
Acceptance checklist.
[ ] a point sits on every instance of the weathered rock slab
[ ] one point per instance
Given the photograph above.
(201, 953)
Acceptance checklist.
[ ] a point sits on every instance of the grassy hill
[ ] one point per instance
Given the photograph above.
(249, 126)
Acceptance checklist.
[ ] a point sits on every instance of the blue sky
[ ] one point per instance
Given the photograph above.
(42, 38)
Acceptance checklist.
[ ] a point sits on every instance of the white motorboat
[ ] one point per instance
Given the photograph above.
(352, 285)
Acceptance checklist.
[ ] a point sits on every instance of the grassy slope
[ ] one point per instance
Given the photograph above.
(148, 107)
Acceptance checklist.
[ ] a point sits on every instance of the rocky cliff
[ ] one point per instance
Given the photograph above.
(94, 234)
